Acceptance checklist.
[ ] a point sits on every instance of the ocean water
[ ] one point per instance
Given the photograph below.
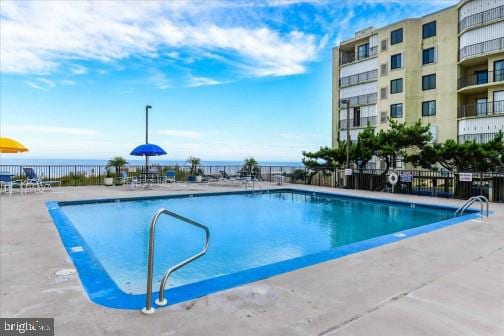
(247, 231)
(9, 160)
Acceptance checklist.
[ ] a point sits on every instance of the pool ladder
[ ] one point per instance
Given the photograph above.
(482, 201)
(161, 301)
(253, 181)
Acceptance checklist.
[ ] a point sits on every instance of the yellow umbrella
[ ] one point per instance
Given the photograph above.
(8, 145)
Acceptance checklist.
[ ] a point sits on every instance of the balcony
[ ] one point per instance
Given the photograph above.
(358, 78)
(359, 122)
(350, 57)
(481, 18)
(481, 109)
(481, 78)
(366, 99)
(478, 137)
(481, 48)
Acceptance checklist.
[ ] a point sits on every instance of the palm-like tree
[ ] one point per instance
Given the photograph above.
(118, 162)
(195, 163)
(251, 166)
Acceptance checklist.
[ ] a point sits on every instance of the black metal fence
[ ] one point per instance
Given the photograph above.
(415, 182)
(80, 175)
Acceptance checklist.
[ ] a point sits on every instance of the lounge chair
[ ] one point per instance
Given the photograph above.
(34, 181)
(7, 183)
(209, 177)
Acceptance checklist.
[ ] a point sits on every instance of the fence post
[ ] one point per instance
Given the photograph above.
(75, 176)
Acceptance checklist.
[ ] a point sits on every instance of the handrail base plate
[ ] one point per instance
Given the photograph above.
(146, 311)
(161, 303)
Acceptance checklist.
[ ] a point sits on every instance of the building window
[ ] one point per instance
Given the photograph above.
(384, 45)
(396, 111)
(428, 56)
(395, 61)
(429, 108)
(481, 77)
(499, 71)
(396, 36)
(482, 106)
(363, 51)
(498, 101)
(396, 86)
(429, 29)
(428, 82)
(356, 117)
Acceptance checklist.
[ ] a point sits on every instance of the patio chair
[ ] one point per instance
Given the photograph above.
(127, 180)
(170, 177)
(34, 181)
(7, 183)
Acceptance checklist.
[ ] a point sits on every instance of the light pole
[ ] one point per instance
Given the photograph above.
(147, 107)
(347, 103)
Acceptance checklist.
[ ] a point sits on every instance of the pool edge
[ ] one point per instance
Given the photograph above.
(102, 290)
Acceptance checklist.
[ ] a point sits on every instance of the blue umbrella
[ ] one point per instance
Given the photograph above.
(148, 150)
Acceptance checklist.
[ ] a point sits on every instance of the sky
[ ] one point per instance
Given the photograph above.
(226, 79)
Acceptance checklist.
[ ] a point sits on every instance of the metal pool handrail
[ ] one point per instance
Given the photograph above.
(162, 301)
(482, 201)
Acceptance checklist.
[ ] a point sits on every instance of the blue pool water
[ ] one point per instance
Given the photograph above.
(247, 231)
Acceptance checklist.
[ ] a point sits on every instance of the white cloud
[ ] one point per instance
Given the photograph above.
(53, 130)
(38, 36)
(34, 85)
(78, 70)
(41, 83)
(203, 81)
(181, 133)
(160, 80)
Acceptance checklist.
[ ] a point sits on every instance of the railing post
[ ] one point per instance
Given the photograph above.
(75, 176)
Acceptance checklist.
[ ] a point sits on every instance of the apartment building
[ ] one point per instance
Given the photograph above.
(446, 69)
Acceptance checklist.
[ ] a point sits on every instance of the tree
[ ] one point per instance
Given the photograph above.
(324, 160)
(117, 162)
(195, 163)
(467, 156)
(251, 166)
(400, 139)
(362, 151)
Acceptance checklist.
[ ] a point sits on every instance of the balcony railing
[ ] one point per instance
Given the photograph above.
(358, 78)
(366, 99)
(359, 122)
(481, 18)
(481, 109)
(478, 137)
(481, 78)
(350, 57)
(481, 48)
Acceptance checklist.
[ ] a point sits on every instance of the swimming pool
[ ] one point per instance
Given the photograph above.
(254, 236)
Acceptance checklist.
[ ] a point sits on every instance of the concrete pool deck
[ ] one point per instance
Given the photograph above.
(446, 282)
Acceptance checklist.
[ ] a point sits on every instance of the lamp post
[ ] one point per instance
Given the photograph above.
(147, 107)
(347, 103)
